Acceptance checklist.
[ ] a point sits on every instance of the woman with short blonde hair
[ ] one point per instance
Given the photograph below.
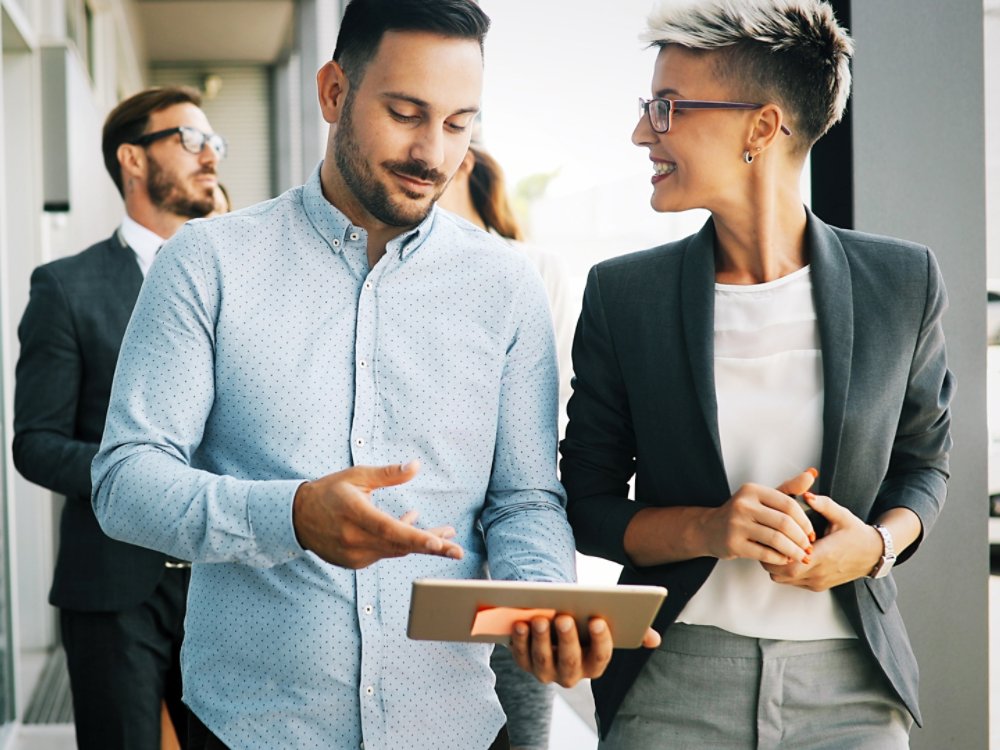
(779, 390)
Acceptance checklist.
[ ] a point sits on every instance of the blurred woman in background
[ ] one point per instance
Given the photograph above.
(478, 194)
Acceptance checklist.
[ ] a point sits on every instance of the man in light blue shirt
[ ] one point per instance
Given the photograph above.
(316, 387)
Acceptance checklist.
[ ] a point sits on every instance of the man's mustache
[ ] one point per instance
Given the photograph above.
(417, 171)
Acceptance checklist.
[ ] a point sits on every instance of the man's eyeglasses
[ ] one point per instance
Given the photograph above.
(660, 111)
(192, 139)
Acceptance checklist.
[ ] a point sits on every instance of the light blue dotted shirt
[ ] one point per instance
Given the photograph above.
(263, 352)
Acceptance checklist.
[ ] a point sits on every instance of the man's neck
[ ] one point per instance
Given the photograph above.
(343, 199)
(159, 222)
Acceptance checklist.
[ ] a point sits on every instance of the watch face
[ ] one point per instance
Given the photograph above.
(883, 567)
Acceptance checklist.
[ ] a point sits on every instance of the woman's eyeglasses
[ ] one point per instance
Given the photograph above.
(660, 111)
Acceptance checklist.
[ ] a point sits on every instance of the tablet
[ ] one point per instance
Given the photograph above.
(485, 611)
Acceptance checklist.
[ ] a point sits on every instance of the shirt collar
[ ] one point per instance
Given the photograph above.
(144, 242)
(334, 226)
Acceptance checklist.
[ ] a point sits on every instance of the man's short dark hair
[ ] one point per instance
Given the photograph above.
(365, 22)
(130, 118)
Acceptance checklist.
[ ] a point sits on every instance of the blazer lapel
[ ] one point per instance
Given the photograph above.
(835, 313)
(698, 310)
(124, 274)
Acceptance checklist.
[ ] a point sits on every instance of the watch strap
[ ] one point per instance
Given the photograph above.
(885, 562)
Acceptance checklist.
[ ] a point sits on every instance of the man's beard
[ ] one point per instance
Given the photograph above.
(373, 195)
(166, 193)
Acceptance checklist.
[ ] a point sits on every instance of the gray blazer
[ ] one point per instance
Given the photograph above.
(644, 404)
(70, 335)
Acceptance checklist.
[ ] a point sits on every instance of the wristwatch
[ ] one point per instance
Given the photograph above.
(884, 565)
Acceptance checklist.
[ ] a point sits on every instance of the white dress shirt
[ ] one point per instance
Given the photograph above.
(144, 243)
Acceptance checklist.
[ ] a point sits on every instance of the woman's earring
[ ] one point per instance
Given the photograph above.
(748, 157)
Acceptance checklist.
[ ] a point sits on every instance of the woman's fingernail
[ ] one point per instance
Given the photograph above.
(809, 550)
(806, 560)
(812, 536)
(597, 626)
(564, 625)
(813, 471)
(808, 496)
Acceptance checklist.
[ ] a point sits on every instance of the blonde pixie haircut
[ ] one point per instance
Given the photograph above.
(789, 52)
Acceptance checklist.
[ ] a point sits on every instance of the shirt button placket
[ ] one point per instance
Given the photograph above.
(366, 451)
(367, 678)
(366, 588)
(364, 387)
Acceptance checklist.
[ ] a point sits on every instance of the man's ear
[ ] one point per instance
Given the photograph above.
(132, 160)
(332, 87)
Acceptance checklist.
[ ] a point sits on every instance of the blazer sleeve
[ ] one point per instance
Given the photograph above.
(47, 392)
(918, 466)
(598, 453)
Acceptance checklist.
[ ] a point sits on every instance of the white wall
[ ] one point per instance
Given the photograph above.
(29, 237)
(991, 37)
(919, 174)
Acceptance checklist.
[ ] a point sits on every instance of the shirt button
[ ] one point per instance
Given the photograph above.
(336, 243)
(368, 609)
(362, 746)
(368, 285)
(354, 235)
(363, 363)
(369, 690)
(359, 442)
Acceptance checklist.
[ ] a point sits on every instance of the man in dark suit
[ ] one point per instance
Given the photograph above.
(121, 606)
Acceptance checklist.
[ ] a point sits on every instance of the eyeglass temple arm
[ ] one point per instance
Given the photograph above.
(699, 104)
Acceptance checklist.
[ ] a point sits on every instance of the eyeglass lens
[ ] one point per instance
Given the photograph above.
(659, 113)
(194, 141)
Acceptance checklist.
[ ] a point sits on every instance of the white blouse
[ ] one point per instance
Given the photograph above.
(769, 389)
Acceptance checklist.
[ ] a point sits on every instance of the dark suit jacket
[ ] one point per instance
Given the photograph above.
(644, 403)
(70, 335)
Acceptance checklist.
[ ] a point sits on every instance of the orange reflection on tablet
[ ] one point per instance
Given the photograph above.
(500, 620)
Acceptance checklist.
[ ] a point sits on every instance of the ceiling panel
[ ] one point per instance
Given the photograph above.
(258, 31)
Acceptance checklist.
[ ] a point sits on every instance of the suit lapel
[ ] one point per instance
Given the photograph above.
(124, 274)
(834, 301)
(698, 309)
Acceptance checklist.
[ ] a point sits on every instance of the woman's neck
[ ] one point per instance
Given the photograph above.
(458, 199)
(760, 240)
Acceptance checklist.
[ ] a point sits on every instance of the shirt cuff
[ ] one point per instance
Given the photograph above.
(269, 511)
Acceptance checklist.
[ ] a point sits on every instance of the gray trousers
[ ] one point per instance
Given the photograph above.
(705, 688)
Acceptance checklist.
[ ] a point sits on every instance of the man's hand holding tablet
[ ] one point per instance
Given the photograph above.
(541, 622)
(564, 659)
